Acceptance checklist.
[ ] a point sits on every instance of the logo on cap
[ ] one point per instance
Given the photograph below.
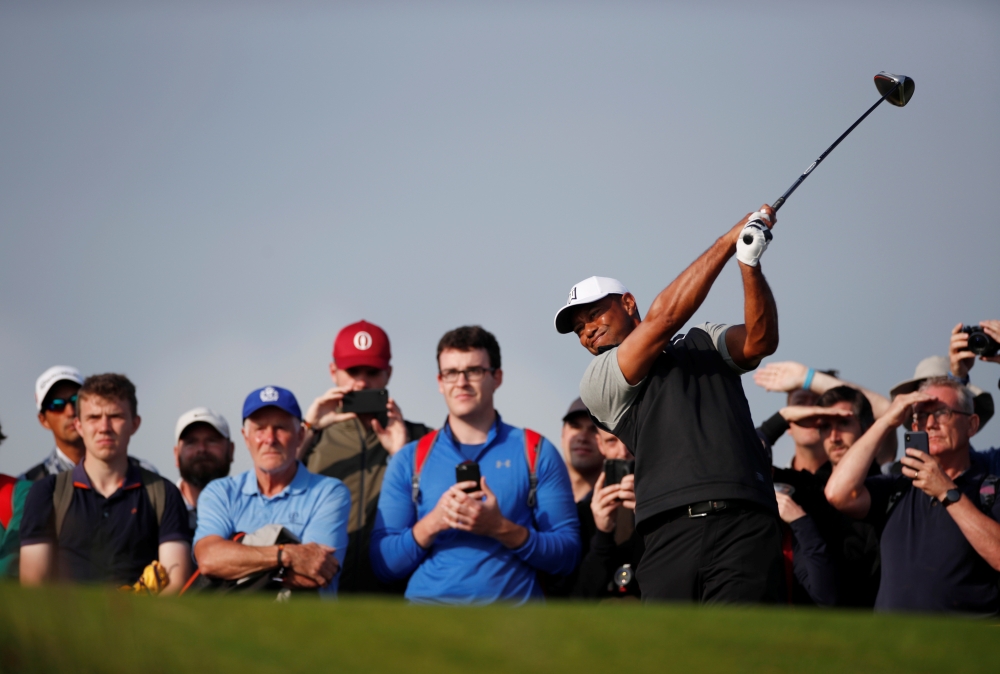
(269, 395)
(572, 295)
(362, 340)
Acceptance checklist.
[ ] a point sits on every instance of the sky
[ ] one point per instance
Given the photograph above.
(200, 196)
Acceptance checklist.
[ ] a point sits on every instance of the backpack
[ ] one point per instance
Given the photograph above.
(62, 495)
(532, 441)
(7, 485)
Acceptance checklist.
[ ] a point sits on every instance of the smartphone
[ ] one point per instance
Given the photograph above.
(616, 469)
(468, 471)
(916, 440)
(368, 401)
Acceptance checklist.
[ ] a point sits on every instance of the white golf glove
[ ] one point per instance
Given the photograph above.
(753, 239)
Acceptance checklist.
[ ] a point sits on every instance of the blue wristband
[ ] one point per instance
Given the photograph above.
(809, 379)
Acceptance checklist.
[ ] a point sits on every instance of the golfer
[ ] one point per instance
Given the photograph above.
(705, 504)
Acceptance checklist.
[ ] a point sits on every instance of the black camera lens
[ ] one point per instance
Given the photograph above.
(981, 343)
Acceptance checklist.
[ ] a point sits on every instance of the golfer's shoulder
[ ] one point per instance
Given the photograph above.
(604, 389)
(712, 335)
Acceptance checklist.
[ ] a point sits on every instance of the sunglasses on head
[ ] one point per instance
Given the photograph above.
(59, 404)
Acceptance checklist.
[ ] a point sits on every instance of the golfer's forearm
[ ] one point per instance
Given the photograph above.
(675, 305)
(225, 559)
(848, 478)
(760, 316)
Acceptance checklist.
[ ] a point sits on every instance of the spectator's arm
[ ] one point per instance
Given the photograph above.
(553, 543)
(811, 563)
(37, 563)
(175, 557)
(982, 531)
(788, 376)
(328, 524)
(37, 533)
(394, 551)
(596, 567)
(675, 305)
(846, 489)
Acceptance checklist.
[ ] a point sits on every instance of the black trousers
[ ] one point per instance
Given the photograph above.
(730, 557)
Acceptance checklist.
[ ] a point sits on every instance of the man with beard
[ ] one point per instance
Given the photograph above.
(203, 452)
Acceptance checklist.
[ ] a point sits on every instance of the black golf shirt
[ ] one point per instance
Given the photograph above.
(105, 540)
(688, 423)
(927, 563)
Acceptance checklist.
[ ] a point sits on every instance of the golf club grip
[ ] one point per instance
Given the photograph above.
(777, 204)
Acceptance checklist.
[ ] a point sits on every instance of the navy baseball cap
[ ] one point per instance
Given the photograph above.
(272, 396)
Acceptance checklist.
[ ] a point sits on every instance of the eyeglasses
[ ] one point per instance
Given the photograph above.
(59, 404)
(471, 374)
(940, 414)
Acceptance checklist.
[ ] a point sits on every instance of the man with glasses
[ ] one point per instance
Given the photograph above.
(468, 541)
(55, 399)
(940, 521)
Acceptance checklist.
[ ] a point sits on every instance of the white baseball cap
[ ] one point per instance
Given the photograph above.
(53, 376)
(201, 415)
(586, 291)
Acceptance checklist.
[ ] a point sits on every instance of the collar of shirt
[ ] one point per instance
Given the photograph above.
(490, 437)
(57, 462)
(133, 478)
(298, 485)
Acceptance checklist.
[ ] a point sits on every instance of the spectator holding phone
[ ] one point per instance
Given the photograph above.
(355, 448)
(940, 541)
(613, 549)
(470, 542)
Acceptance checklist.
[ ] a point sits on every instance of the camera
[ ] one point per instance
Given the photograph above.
(980, 343)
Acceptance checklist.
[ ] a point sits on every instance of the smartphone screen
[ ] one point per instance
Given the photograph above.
(468, 471)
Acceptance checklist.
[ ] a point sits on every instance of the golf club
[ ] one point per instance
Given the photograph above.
(897, 89)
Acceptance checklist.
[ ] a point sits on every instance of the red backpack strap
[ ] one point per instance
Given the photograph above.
(532, 443)
(424, 446)
(7, 484)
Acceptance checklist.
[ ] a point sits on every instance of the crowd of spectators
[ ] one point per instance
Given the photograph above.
(369, 502)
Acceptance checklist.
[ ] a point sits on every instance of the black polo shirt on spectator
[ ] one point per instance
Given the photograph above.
(927, 563)
(104, 540)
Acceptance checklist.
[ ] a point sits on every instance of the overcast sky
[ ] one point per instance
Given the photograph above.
(200, 197)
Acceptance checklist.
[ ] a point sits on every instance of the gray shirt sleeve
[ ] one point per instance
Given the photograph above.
(717, 331)
(604, 390)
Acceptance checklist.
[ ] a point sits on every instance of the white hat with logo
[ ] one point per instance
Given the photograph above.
(201, 415)
(585, 292)
(53, 376)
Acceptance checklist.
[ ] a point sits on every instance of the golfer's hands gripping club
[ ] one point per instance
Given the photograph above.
(755, 236)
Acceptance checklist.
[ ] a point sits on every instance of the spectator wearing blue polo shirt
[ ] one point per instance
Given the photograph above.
(278, 490)
(940, 542)
(486, 545)
(106, 519)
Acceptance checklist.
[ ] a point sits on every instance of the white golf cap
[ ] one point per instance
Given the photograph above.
(51, 377)
(201, 415)
(586, 291)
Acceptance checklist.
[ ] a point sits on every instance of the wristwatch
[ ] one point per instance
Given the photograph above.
(952, 496)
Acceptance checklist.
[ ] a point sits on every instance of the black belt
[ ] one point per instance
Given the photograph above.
(706, 508)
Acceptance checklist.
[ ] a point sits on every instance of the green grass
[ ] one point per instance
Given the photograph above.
(63, 629)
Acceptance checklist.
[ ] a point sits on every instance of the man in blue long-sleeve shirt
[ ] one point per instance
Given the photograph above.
(486, 545)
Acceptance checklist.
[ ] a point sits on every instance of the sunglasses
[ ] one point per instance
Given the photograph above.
(59, 404)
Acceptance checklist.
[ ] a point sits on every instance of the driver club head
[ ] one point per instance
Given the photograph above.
(885, 82)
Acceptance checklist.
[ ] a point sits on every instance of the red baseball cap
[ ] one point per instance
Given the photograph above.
(362, 343)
